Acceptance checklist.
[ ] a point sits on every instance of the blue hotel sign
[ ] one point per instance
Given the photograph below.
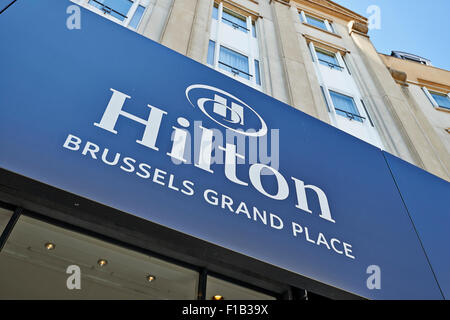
(114, 117)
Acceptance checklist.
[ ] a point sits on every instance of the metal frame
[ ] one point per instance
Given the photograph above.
(9, 227)
(350, 115)
(109, 9)
(234, 24)
(202, 272)
(332, 65)
(235, 70)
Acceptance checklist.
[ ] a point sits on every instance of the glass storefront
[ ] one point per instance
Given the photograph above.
(41, 260)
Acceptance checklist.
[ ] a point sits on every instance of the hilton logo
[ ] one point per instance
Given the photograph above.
(227, 110)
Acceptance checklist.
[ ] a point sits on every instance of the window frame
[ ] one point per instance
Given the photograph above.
(349, 115)
(234, 68)
(251, 33)
(436, 93)
(129, 15)
(334, 66)
(229, 22)
(435, 104)
(328, 24)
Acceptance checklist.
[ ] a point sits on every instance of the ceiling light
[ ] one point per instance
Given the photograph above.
(50, 246)
(151, 278)
(218, 297)
(102, 262)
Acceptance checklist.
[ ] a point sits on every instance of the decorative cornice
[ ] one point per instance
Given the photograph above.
(399, 76)
(331, 8)
(434, 85)
(239, 9)
(325, 45)
(317, 28)
(286, 3)
(356, 26)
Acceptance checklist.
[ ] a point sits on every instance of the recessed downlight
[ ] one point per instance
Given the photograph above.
(150, 278)
(50, 246)
(102, 262)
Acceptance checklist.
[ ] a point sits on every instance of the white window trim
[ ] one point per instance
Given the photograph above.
(339, 58)
(356, 100)
(251, 59)
(325, 21)
(436, 105)
(430, 97)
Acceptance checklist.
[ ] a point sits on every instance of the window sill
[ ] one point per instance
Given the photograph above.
(442, 109)
(326, 31)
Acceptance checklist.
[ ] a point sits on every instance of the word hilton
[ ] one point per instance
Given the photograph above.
(150, 136)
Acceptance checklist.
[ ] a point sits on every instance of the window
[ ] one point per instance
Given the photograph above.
(215, 12)
(234, 62)
(211, 51)
(233, 44)
(316, 22)
(116, 8)
(328, 59)
(128, 12)
(345, 106)
(325, 98)
(319, 23)
(136, 17)
(218, 289)
(442, 100)
(234, 20)
(253, 29)
(257, 75)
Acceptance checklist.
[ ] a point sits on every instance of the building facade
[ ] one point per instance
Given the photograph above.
(313, 55)
(136, 225)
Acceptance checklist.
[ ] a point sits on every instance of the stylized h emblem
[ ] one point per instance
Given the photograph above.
(220, 108)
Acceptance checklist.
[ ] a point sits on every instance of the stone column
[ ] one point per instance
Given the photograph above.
(408, 139)
(297, 71)
(177, 32)
(198, 42)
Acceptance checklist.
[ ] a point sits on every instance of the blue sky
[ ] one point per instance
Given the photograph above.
(418, 27)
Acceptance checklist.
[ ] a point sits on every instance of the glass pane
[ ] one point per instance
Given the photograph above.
(345, 106)
(257, 74)
(253, 29)
(234, 20)
(316, 22)
(116, 8)
(211, 48)
(442, 100)
(215, 12)
(234, 62)
(325, 98)
(35, 260)
(328, 59)
(137, 17)
(217, 289)
(5, 215)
